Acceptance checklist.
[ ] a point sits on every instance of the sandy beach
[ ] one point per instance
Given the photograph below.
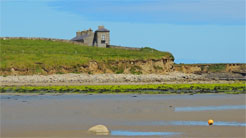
(71, 115)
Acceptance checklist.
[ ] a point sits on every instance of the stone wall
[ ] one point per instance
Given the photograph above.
(89, 40)
(67, 41)
(124, 47)
(40, 38)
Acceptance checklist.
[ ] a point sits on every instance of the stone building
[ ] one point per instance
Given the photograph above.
(99, 38)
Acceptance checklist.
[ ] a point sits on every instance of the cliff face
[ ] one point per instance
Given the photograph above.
(149, 66)
(210, 68)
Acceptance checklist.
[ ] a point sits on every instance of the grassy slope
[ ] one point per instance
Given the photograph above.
(215, 67)
(31, 54)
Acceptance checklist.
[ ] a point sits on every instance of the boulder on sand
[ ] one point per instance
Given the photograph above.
(99, 130)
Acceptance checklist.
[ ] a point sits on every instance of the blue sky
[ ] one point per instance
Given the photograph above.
(195, 31)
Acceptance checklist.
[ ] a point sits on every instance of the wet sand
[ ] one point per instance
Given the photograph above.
(70, 115)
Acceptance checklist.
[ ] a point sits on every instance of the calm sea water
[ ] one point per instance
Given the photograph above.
(208, 108)
(50, 97)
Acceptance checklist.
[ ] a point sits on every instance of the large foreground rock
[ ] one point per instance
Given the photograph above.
(99, 130)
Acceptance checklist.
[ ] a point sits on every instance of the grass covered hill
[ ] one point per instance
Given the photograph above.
(32, 55)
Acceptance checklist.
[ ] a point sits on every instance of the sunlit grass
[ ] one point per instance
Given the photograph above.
(233, 88)
(24, 54)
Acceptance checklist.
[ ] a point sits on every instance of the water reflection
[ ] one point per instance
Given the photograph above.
(184, 123)
(198, 123)
(205, 108)
(136, 133)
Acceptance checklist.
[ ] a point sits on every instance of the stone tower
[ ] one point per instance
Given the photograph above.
(102, 37)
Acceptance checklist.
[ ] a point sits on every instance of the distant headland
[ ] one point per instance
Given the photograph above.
(47, 56)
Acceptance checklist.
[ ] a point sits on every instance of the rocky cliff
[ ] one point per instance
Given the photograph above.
(149, 66)
(211, 68)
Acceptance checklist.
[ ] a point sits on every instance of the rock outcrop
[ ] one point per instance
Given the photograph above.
(210, 68)
(99, 130)
(148, 66)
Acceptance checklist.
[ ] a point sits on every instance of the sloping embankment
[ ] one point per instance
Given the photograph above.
(29, 56)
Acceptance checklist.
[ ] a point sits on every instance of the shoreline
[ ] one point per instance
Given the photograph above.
(116, 83)
(117, 79)
(194, 88)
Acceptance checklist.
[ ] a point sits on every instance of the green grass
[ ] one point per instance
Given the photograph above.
(32, 55)
(136, 70)
(233, 88)
(217, 68)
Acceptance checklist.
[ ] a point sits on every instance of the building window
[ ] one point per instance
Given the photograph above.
(103, 39)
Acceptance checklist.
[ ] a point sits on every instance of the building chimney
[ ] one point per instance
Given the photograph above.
(100, 27)
(84, 32)
(90, 31)
(78, 33)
